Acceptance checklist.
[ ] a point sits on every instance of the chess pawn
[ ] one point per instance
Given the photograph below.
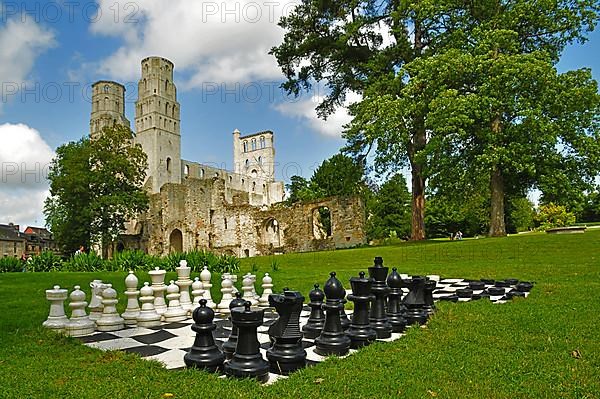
(205, 277)
(395, 308)
(226, 289)
(158, 286)
(287, 354)
(110, 320)
(184, 282)
(313, 327)
(174, 312)
(56, 319)
(197, 293)
(148, 316)
(79, 324)
(360, 331)
(377, 316)
(204, 354)
(133, 307)
(267, 287)
(415, 301)
(333, 340)
(230, 344)
(95, 305)
(248, 288)
(247, 361)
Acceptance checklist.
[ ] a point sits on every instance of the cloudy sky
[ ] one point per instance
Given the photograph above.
(51, 52)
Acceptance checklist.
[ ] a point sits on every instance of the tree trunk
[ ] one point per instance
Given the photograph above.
(497, 226)
(418, 204)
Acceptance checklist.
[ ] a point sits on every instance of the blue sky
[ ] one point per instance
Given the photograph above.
(51, 52)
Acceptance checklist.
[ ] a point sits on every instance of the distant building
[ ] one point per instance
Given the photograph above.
(33, 241)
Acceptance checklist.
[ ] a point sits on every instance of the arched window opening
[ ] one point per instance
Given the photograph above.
(245, 146)
(262, 142)
(322, 226)
(253, 144)
(247, 162)
(186, 170)
(168, 164)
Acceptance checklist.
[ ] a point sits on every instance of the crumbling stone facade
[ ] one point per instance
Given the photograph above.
(196, 206)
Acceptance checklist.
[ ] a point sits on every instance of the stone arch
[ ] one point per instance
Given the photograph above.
(254, 173)
(176, 241)
(322, 225)
(271, 233)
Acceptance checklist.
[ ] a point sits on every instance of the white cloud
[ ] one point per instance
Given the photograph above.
(304, 110)
(24, 162)
(212, 41)
(21, 42)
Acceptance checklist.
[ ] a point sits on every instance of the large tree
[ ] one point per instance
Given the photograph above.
(362, 47)
(95, 187)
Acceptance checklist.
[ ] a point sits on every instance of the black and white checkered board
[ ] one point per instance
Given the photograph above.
(169, 342)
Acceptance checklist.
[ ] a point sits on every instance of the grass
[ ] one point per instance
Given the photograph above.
(545, 346)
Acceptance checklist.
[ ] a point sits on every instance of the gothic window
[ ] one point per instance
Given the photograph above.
(247, 163)
(186, 170)
(166, 85)
(167, 109)
(106, 88)
(106, 103)
(168, 164)
(118, 105)
(245, 146)
(230, 179)
(253, 186)
(262, 142)
(260, 160)
(253, 144)
(173, 111)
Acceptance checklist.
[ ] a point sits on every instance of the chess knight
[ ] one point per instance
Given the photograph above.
(199, 206)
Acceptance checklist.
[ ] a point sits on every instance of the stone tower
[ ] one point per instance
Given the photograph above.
(254, 155)
(108, 106)
(157, 122)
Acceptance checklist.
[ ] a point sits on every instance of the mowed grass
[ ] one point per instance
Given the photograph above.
(545, 346)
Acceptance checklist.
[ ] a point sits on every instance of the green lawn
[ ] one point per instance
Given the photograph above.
(547, 345)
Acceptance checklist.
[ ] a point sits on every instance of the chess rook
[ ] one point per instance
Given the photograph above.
(57, 319)
(313, 327)
(377, 317)
(204, 354)
(287, 354)
(415, 301)
(360, 331)
(333, 340)
(247, 361)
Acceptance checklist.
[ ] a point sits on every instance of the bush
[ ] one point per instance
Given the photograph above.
(10, 264)
(198, 259)
(132, 260)
(47, 261)
(551, 215)
(86, 262)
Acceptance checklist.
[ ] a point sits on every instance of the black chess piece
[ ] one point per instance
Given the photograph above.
(395, 307)
(287, 354)
(380, 290)
(333, 340)
(247, 361)
(429, 303)
(344, 319)
(360, 331)
(415, 301)
(204, 354)
(313, 327)
(229, 345)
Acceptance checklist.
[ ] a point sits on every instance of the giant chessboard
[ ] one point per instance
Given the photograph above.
(169, 342)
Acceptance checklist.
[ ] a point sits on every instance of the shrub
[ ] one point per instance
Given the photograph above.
(551, 215)
(47, 261)
(132, 260)
(10, 264)
(86, 262)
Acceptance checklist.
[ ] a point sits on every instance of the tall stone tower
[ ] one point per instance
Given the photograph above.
(157, 122)
(108, 106)
(254, 155)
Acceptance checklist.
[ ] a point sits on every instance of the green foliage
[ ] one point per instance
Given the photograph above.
(520, 215)
(95, 187)
(198, 259)
(132, 260)
(446, 215)
(10, 264)
(389, 210)
(254, 268)
(46, 261)
(552, 215)
(590, 208)
(274, 265)
(85, 262)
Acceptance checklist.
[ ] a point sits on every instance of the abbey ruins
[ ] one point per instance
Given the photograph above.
(196, 206)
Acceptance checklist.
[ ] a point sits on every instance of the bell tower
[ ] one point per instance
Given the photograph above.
(108, 106)
(157, 122)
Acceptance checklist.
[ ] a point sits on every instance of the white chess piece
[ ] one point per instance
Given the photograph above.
(247, 288)
(205, 277)
(133, 307)
(197, 293)
(148, 316)
(159, 288)
(57, 319)
(95, 305)
(226, 289)
(184, 282)
(254, 293)
(79, 324)
(267, 286)
(110, 320)
(174, 312)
